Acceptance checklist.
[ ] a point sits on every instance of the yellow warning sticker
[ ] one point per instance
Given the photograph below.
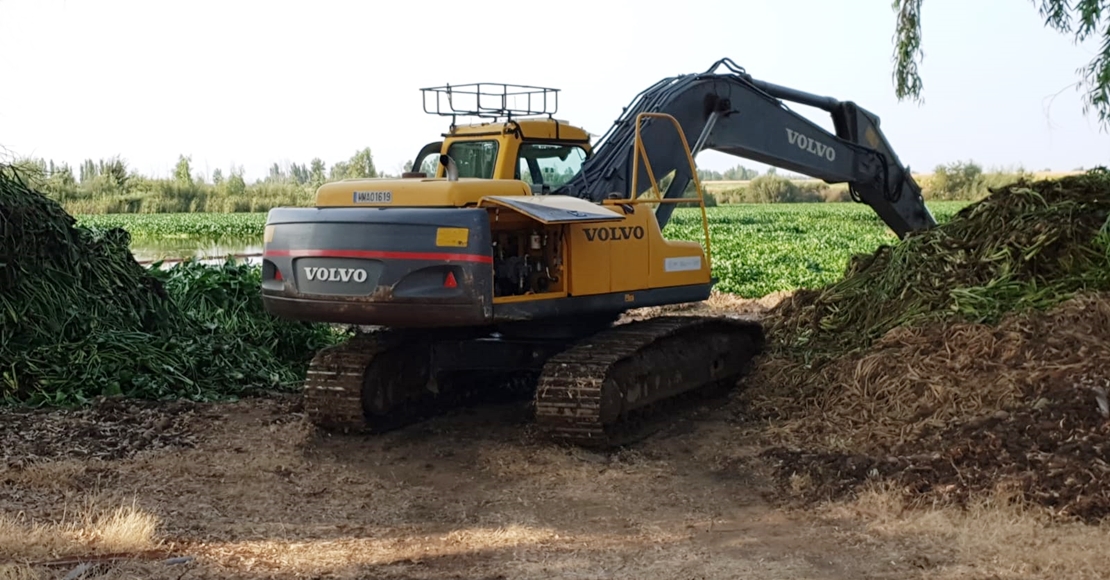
(453, 237)
(268, 234)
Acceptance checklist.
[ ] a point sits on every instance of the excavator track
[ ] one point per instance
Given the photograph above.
(595, 393)
(372, 383)
(334, 382)
(389, 379)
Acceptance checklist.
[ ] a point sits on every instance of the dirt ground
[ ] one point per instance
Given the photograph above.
(250, 490)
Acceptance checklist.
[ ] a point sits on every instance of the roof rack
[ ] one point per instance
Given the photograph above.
(491, 100)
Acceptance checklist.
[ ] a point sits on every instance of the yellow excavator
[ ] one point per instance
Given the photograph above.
(513, 262)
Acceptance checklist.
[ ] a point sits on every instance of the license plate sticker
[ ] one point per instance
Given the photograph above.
(682, 264)
(373, 197)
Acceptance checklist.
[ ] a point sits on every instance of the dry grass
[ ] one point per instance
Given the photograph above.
(86, 531)
(512, 462)
(725, 302)
(18, 572)
(48, 475)
(719, 303)
(343, 556)
(996, 536)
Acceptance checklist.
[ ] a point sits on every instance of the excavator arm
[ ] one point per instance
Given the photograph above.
(736, 114)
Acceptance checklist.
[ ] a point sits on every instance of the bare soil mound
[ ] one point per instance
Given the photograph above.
(965, 360)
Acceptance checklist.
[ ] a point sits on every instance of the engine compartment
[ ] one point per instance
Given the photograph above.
(527, 262)
(528, 256)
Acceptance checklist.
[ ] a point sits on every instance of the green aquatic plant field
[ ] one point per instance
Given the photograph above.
(757, 249)
(202, 226)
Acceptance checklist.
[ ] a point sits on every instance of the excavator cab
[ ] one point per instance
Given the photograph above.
(519, 137)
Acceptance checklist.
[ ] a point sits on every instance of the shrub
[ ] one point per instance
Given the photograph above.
(966, 181)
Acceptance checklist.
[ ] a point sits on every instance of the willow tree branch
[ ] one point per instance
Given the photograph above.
(907, 50)
(1096, 77)
(1085, 19)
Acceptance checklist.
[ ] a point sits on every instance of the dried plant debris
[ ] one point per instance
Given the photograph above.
(106, 429)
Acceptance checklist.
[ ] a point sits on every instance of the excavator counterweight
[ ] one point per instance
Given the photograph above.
(509, 254)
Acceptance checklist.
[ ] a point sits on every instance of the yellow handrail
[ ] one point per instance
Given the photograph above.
(638, 151)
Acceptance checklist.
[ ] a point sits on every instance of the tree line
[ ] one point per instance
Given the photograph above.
(110, 186)
(956, 181)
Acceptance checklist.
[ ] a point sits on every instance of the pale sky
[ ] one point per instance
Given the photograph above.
(253, 83)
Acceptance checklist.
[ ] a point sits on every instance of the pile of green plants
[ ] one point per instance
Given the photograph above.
(80, 318)
(1030, 245)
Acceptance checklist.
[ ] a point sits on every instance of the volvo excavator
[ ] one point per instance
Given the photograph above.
(512, 250)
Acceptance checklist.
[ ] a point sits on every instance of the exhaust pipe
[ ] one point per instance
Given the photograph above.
(452, 170)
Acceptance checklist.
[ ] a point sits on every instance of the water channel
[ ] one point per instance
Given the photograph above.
(172, 250)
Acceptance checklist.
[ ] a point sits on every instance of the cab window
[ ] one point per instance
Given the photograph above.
(474, 158)
(549, 164)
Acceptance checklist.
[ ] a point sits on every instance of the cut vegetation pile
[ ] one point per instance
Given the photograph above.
(80, 318)
(969, 358)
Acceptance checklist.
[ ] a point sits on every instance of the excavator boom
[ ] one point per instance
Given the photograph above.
(736, 114)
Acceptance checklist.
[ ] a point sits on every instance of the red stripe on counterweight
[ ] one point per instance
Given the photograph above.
(374, 254)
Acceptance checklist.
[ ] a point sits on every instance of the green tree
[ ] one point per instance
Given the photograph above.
(361, 165)
(114, 171)
(957, 180)
(277, 175)
(87, 171)
(1081, 18)
(61, 177)
(235, 183)
(182, 172)
(740, 173)
(338, 171)
(299, 173)
(710, 175)
(217, 176)
(771, 188)
(317, 172)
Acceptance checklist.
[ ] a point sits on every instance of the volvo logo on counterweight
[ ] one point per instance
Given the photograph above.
(335, 274)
